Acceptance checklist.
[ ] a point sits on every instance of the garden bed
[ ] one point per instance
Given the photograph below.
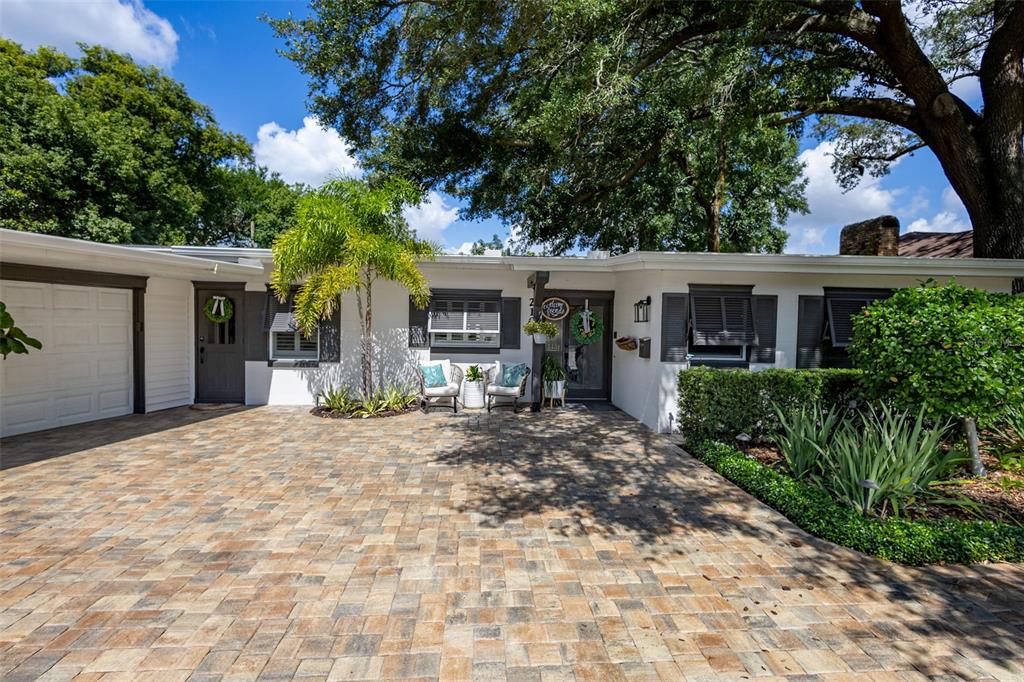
(999, 496)
(907, 541)
(328, 413)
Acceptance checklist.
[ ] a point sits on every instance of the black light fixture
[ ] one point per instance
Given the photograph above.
(642, 310)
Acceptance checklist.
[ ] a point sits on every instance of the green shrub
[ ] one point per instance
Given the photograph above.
(894, 539)
(954, 351)
(804, 436)
(1007, 435)
(881, 460)
(722, 403)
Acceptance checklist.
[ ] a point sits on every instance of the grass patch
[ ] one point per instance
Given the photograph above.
(909, 542)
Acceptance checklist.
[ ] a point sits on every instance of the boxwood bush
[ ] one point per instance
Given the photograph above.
(722, 403)
(901, 540)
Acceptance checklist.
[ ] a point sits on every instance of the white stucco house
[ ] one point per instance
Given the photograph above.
(123, 328)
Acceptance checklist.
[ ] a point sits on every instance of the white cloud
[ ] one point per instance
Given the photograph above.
(463, 250)
(311, 154)
(943, 221)
(431, 218)
(830, 207)
(122, 25)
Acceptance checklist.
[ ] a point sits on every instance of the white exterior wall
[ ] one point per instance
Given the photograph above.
(170, 371)
(394, 361)
(644, 388)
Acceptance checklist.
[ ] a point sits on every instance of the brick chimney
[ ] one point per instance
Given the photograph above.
(876, 237)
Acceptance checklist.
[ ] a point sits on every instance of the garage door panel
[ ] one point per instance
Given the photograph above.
(84, 370)
(75, 407)
(73, 298)
(27, 414)
(113, 401)
(112, 335)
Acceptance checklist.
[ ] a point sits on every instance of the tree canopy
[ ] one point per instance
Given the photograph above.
(525, 107)
(103, 149)
(533, 112)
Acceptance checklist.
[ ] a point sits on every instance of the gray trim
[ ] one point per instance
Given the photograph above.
(766, 312)
(511, 317)
(418, 337)
(810, 323)
(139, 351)
(674, 321)
(257, 341)
(82, 278)
(466, 294)
(721, 289)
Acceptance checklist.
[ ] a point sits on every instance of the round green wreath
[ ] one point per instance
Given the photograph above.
(576, 327)
(229, 311)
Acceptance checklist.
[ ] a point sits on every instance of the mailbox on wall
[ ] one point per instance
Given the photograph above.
(645, 347)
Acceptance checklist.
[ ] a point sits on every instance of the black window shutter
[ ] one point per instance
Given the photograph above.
(766, 318)
(418, 326)
(256, 343)
(273, 305)
(511, 312)
(810, 324)
(673, 327)
(330, 337)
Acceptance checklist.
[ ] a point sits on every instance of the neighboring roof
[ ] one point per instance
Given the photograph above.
(937, 244)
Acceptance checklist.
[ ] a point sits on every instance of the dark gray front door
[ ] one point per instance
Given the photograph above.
(220, 347)
(587, 366)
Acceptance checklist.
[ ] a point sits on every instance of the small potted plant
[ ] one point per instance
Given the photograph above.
(540, 330)
(554, 377)
(473, 393)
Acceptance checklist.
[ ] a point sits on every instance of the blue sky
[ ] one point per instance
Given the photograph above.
(227, 59)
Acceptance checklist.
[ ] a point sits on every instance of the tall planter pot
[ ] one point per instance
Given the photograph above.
(553, 389)
(473, 394)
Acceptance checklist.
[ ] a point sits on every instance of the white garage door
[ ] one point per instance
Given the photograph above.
(84, 370)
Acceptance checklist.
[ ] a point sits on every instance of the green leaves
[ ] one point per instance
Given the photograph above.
(12, 338)
(949, 350)
(907, 542)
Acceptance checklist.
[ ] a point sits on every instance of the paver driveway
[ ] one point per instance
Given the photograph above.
(269, 543)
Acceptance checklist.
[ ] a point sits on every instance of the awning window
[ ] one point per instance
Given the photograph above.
(722, 316)
(841, 306)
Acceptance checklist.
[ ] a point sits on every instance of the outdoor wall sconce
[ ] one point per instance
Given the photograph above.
(642, 310)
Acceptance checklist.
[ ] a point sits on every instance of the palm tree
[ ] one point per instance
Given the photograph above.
(349, 234)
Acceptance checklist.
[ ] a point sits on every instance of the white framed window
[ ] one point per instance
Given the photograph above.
(456, 323)
(294, 345)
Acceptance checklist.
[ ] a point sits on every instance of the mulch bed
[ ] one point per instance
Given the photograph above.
(999, 497)
(328, 413)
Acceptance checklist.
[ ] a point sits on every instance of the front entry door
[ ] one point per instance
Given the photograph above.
(587, 366)
(220, 347)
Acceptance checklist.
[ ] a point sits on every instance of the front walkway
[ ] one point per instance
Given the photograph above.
(269, 543)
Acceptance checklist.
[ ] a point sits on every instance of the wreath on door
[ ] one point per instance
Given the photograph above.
(579, 330)
(218, 309)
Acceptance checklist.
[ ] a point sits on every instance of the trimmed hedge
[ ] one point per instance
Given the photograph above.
(722, 403)
(907, 542)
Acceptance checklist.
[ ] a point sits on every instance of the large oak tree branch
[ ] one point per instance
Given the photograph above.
(649, 155)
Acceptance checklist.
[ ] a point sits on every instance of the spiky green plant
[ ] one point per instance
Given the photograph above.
(884, 460)
(338, 399)
(348, 235)
(804, 438)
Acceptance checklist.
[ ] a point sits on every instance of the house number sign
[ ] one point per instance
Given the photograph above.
(554, 308)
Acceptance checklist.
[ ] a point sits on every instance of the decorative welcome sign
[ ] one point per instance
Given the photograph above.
(554, 308)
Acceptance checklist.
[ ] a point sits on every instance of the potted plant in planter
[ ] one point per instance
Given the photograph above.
(540, 330)
(554, 377)
(473, 391)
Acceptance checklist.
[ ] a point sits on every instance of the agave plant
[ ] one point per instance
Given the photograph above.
(884, 460)
(806, 432)
(338, 399)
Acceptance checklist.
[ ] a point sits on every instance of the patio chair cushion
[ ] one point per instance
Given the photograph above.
(446, 368)
(512, 375)
(433, 376)
(510, 391)
(445, 391)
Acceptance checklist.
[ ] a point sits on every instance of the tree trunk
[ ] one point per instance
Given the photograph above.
(971, 428)
(714, 210)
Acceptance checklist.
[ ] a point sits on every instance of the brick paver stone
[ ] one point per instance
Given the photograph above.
(267, 543)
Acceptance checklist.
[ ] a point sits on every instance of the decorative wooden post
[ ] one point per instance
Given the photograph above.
(537, 282)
